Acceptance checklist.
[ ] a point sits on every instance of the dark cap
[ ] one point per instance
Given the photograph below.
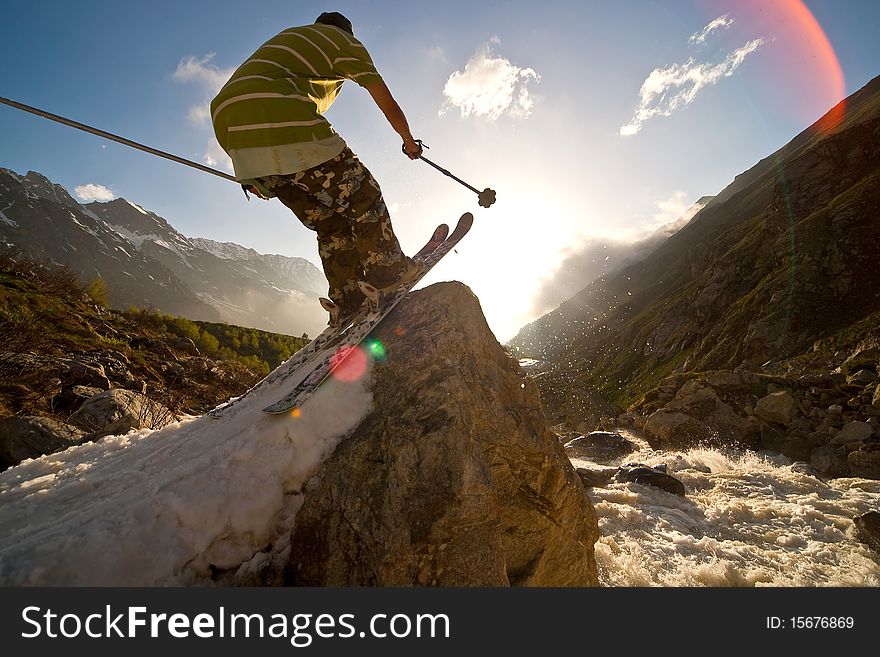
(335, 19)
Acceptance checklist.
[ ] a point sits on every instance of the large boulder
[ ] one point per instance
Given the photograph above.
(725, 426)
(726, 381)
(830, 461)
(865, 461)
(667, 429)
(454, 479)
(118, 411)
(868, 529)
(853, 432)
(600, 446)
(656, 476)
(30, 437)
(777, 407)
(596, 477)
(86, 374)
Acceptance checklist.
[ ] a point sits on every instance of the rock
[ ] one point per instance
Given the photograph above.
(817, 439)
(797, 448)
(802, 467)
(600, 446)
(30, 437)
(632, 420)
(596, 477)
(71, 398)
(689, 389)
(853, 432)
(723, 423)
(865, 461)
(85, 374)
(656, 476)
(119, 411)
(778, 407)
(830, 461)
(862, 378)
(725, 381)
(868, 529)
(772, 437)
(666, 429)
(453, 479)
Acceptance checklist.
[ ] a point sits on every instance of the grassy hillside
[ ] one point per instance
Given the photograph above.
(53, 328)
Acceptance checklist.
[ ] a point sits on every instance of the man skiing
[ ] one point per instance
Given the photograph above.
(268, 118)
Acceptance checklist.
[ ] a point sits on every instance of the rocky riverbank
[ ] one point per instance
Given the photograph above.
(831, 422)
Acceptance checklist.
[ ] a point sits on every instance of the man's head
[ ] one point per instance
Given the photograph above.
(335, 19)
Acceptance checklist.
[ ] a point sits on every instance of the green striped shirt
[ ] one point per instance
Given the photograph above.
(268, 116)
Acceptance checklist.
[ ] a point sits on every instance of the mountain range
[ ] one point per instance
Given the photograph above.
(777, 273)
(147, 263)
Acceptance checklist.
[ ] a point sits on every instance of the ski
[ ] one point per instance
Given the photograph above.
(374, 312)
(327, 338)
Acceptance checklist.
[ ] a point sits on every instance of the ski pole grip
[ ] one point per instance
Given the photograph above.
(422, 147)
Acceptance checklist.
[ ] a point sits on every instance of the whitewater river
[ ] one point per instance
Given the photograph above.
(747, 520)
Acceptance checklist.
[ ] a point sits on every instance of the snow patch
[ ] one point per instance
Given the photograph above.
(169, 507)
(137, 207)
(88, 229)
(6, 220)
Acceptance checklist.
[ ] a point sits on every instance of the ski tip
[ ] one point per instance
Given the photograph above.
(464, 223)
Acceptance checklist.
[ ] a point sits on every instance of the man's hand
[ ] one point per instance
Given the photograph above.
(412, 148)
(253, 190)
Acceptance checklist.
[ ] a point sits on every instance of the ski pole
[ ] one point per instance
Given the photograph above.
(116, 138)
(486, 197)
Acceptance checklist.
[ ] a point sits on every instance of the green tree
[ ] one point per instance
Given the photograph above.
(98, 292)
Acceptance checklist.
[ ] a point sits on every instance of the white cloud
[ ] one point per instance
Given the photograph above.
(215, 156)
(211, 78)
(200, 114)
(200, 71)
(668, 89)
(672, 208)
(93, 192)
(720, 23)
(490, 86)
(437, 54)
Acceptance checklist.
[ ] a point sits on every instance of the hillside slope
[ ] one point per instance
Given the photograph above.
(772, 273)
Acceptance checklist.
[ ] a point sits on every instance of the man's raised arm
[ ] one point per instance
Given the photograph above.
(382, 95)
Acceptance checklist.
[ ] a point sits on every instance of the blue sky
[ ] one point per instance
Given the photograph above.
(528, 98)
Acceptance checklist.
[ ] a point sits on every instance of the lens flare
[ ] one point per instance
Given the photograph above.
(295, 413)
(801, 71)
(376, 349)
(349, 363)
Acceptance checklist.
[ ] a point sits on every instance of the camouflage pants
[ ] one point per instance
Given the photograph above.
(341, 201)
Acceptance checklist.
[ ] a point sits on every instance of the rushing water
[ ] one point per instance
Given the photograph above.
(748, 520)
